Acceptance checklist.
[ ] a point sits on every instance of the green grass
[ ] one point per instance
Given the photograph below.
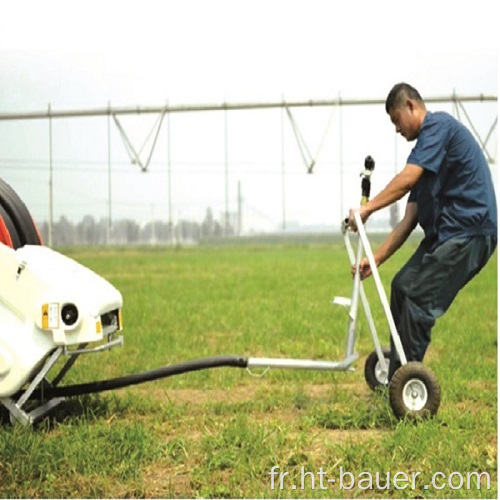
(218, 433)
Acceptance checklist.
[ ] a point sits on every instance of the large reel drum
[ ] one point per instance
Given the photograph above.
(16, 224)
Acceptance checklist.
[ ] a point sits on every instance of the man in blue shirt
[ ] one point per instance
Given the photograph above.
(453, 199)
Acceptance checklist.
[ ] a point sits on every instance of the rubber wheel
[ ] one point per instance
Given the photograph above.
(414, 391)
(25, 228)
(375, 375)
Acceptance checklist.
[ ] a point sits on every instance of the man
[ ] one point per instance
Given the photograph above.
(453, 199)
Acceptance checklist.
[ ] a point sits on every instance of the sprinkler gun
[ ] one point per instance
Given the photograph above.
(365, 179)
(365, 187)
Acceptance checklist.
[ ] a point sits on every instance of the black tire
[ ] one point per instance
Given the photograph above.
(375, 376)
(19, 215)
(414, 391)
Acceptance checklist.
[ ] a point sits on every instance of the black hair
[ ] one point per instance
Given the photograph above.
(399, 93)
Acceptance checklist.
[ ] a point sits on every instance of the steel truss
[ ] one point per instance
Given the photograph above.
(114, 112)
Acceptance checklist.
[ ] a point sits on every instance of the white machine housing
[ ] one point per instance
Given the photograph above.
(49, 301)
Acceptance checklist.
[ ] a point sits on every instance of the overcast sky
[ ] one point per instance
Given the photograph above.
(86, 54)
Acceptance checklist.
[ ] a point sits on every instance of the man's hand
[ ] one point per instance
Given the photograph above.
(365, 269)
(364, 214)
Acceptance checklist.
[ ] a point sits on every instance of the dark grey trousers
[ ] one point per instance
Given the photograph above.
(426, 286)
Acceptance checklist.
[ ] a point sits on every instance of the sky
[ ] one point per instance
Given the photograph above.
(91, 54)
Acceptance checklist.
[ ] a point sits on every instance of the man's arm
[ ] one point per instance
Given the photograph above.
(395, 190)
(395, 239)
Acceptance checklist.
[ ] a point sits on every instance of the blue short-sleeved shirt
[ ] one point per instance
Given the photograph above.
(455, 195)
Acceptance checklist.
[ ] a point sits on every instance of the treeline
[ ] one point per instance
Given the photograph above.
(90, 231)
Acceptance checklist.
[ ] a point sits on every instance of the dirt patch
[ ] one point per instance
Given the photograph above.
(244, 393)
(162, 482)
(199, 396)
(323, 437)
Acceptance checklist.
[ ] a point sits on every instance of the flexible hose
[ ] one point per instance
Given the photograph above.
(138, 378)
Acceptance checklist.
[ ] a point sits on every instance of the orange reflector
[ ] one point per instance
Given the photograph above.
(98, 327)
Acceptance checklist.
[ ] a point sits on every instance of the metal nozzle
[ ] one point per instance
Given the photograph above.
(369, 163)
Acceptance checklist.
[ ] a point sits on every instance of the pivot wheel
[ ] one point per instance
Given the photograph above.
(414, 391)
(376, 374)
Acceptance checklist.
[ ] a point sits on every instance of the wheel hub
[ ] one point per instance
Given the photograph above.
(415, 394)
(381, 373)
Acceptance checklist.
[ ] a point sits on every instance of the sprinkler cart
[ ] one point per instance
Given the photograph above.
(53, 308)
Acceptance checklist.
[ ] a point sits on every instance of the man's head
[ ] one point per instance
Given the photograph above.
(406, 109)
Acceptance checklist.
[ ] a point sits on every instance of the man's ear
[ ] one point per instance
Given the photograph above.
(410, 104)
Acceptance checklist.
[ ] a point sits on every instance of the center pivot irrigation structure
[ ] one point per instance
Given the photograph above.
(53, 307)
(141, 155)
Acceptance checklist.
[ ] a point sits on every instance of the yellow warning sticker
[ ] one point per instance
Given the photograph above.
(45, 316)
(50, 316)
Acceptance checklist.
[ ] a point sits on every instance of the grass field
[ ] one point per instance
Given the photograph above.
(218, 433)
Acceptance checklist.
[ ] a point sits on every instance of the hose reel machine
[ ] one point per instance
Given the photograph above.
(52, 308)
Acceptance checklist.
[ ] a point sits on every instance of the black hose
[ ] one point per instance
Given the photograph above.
(138, 378)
